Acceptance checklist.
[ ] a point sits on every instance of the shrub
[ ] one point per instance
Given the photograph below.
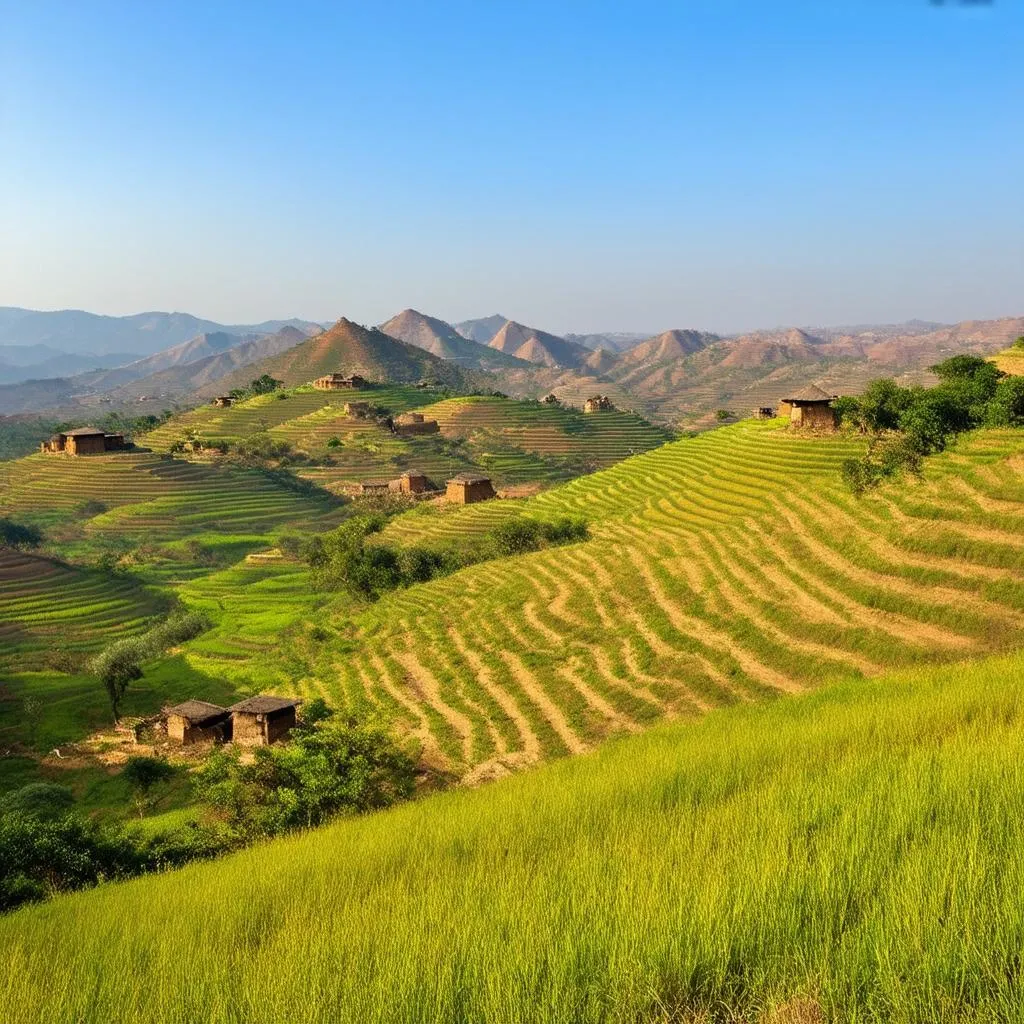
(143, 774)
(516, 536)
(330, 767)
(42, 800)
(1006, 409)
(334, 442)
(18, 535)
(117, 666)
(178, 627)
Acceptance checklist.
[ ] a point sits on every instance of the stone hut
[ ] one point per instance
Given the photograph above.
(357, 410)
(223, 401)
(196, 721)
(466, 488)
(598, 403)
(339, 382)
(810, 409)
(764, 412)
(83, 441)
(415, 423)
(411, 482)
(261, 720)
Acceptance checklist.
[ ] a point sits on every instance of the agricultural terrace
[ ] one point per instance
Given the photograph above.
(663, 877)
(722, 569)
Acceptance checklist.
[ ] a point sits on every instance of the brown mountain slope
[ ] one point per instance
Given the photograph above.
(442, 340)
(537, 346)
(348, 347)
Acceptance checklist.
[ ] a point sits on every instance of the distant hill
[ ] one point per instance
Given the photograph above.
(482, 329)
(76, 331)
(166, 376)
(442, 340)
(535, 346)
(612, 341)
(348, 347)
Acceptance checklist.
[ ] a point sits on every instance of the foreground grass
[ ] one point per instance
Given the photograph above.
(861, 849)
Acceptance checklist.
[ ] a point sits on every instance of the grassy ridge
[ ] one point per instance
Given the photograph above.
(832, 851)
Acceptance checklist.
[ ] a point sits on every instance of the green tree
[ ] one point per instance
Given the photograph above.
(18, 535)
(118, 665)
(1006, 409)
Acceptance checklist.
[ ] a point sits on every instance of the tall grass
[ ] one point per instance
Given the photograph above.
(861, 849)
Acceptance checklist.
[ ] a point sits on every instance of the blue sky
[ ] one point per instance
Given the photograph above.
(578, 166)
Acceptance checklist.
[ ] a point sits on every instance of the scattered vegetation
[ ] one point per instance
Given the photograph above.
(19, 535)
(343, 559)
(907, 424)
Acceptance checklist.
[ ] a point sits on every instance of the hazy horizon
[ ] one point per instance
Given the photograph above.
(581, 170)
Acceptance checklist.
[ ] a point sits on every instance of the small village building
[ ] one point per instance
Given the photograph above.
(810, 409)
(411, 482)
(339, 382)
(259, 721)
(223, 401)
(552, 399)
(415, 423)
(466, 488)
(358, 410)
(373, 487)
(196, 721)
(598, 403)
(84, 441)
(764, 412)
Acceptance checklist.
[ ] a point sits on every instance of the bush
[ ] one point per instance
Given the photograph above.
(330, 767)
(516, 536)
(18, 535)
(42, 800)
(1006, 409)
(177, 628)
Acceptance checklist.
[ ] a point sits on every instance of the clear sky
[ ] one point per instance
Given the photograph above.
(577, 166)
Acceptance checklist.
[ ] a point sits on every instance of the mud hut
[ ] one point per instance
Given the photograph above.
(261, 720)
(764, 412)
(340, 382)
(223, 401)
(598, 403)
(357, 410)
(467, 488)
(373, 487)
(810, 409)
(83, 441)
(196, 721)
(411, 482)
(415, 423)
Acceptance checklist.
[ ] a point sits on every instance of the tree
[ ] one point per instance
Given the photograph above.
(142, 774)
(117, 666)
(1007, 406)
(43, 800)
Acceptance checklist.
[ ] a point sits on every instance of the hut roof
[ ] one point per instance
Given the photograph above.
(412, 472)
(811, 393)
(197, 711)
(469, 478)
(264, 705)
(83, 432)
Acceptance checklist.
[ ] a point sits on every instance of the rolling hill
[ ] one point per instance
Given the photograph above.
(349, 348)
(443, 341)
(482, 329)
(663, 876)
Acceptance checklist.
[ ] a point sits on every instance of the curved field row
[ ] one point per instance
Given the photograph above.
(47, 607)
(720, 569)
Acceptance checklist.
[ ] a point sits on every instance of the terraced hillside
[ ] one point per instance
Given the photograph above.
(515, 442)
(721, 569)
(47, 607)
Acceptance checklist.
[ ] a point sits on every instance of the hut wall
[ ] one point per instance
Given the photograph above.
(467, 493)
(279, 723)
(247, 730)
(417, 427)
(180, 730)
(785, 409)
(86, 445)
(814, 416)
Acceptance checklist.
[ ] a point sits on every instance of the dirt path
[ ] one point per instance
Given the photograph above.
(422, 729)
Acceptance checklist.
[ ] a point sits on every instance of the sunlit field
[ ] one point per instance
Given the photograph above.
(828, 852)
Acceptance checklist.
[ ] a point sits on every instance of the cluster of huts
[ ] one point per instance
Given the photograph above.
(84, 441)
(340, 382)
(598, 403)
(462, 489)
(810, 408)
(254, 722)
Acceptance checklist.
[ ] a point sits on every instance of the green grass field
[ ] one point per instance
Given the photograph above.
(853, 855)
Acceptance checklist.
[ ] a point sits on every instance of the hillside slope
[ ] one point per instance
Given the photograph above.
(348, 347)
(814, 860)
(535, 346)
(443, 341)
(725, 568)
